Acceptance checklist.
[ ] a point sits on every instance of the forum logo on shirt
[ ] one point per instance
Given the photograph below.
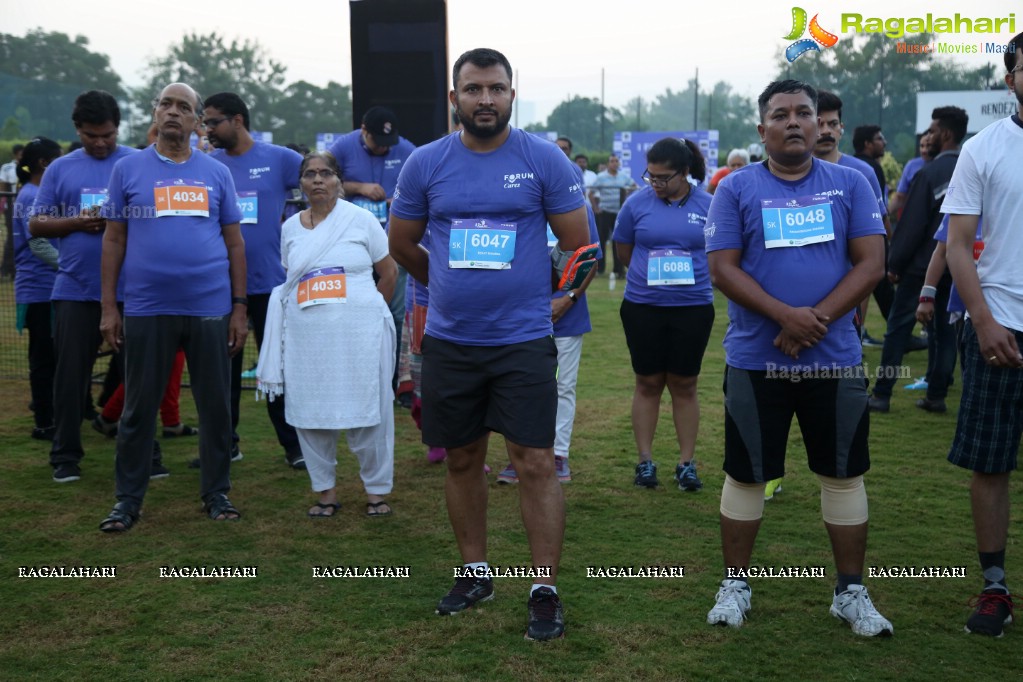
(804, 45)
(513, 179)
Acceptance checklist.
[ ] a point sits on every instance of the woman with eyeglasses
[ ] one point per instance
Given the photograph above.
(668, 309)
(330, 342)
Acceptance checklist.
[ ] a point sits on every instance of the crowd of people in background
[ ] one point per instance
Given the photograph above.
(363, 291)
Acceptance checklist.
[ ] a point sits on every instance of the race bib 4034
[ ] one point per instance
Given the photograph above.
(180, 198)
(797, 222)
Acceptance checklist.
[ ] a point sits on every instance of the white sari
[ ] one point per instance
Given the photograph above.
(326, 358)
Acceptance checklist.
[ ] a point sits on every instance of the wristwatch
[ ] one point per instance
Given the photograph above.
(572, 296)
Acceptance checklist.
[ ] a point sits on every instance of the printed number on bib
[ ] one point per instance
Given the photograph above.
(797, 222)
(181, 198)
(92, 197)
(481, 243)
(322, 286)
(668, 267)
(248, 204)
(377, 208)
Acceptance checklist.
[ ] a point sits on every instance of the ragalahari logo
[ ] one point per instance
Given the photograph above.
(819, 35)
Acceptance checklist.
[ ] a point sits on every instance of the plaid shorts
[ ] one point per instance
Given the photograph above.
(990, 413)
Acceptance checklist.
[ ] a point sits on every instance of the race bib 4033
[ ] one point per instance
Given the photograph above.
(481, 243)
(324, 285)
(797, 222)
(181, 197)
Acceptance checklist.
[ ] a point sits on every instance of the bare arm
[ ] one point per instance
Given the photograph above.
(370, 190)
(804, 325)
(624, 253)
(54, 228)
(571, 229)
(387, 274)
(935, 269)
(403, 237)
(995, 341)
(238, 329)
(115, 241)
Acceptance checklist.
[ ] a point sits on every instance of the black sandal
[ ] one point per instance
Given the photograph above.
(219, 505)
(373, 508)
(123, 513)
(323, 507)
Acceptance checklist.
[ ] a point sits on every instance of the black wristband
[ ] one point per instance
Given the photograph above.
(240, 300)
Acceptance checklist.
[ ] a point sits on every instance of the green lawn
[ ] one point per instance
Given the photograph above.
(285, 624)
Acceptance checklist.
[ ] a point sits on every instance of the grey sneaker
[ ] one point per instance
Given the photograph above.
(731, 604)
(854, 607)
(646, 474)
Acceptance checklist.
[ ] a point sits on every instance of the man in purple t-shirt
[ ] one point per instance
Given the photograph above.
(795, 243)
(173, 230)
(264, 175)
(489, 363)
(67, 207)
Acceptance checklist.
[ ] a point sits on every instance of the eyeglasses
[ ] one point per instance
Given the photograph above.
(323, 174)
(213, 122)
(659, 180)
(1018, 67)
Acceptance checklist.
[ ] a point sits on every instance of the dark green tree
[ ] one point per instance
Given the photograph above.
(304, 110)
(879, 86)
(580, 119)
(42, 72)
(210, 64)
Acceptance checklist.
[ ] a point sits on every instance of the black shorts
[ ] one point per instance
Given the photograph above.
(470, 390)
(833, 419)
(667, 338)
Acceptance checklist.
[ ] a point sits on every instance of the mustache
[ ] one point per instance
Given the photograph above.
(825, 138)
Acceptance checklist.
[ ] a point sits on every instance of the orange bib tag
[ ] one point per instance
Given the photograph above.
(317, 287)
(181, 198)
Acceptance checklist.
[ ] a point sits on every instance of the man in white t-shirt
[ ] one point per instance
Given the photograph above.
(987, 182)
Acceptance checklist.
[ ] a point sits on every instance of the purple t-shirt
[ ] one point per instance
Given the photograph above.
(796, 275)
(908, 173)
(70, 184)
(577, 320)
(955, 301)
(673, 235)
(174, 264)
(33, 279)
(496, 204)
(263, 178)
(850, 161)
(358, 165)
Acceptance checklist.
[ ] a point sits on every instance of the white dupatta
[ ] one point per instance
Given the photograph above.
(270, 370)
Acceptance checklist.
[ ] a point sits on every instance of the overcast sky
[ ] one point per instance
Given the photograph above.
(557, 47)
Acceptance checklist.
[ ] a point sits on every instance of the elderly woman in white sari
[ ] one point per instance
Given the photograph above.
(330, 339)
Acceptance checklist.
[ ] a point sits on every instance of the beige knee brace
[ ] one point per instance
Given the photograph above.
(843, 500)
(742, 501)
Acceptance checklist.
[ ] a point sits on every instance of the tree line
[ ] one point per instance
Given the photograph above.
(41, 73)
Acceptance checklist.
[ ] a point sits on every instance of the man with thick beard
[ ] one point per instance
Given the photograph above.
(486, 195)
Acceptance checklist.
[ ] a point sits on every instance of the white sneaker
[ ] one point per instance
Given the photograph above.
(732, 604)
(854, 607)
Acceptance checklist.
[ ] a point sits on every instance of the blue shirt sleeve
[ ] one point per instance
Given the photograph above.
(625, 224)
(724, 222)
(410, 201)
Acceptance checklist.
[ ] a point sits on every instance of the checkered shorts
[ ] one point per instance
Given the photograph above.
(990, 413)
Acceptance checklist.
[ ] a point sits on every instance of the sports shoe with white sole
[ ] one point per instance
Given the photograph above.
(993, 612)
(854, 607)
(731, 604)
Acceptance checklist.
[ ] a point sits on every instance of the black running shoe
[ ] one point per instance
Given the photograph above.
(994, 610)
(546, 617)
(465, 594)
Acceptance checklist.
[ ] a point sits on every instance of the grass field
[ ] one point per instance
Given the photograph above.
(286, 624)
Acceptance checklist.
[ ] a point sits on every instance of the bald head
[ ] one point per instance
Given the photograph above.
(177, 111)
